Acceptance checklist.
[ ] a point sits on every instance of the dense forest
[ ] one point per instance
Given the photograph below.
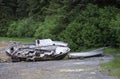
(81, 23)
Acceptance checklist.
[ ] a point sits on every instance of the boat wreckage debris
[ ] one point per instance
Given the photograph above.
(44, 49)
(80, 55)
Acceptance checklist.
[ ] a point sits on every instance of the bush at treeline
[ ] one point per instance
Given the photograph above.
(81, 25)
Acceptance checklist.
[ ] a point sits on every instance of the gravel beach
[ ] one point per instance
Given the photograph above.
(87, 68)
(63, 69)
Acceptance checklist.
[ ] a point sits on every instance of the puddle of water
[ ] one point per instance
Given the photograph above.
(92, 72)
(71, 70)
(87, 63)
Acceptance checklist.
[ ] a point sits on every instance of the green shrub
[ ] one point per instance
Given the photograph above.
(47, 28)
(115, 27)
(91, 28)
(12, 32)
(22, 28)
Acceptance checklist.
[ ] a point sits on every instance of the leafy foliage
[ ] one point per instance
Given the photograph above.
(91, 28)
(115, 27)
(22, 28)
(81, 23)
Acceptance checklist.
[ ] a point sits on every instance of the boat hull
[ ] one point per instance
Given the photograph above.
(45, 58)
(98, 52)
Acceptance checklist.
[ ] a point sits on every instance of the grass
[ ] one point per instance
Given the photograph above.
(23, 40)
(112, 51)
(113, 67)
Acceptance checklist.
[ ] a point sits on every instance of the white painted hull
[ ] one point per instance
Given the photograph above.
(86, 54)
(45, 49)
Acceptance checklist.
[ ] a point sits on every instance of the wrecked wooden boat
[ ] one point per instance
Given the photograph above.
(44, 49)
(97, 52)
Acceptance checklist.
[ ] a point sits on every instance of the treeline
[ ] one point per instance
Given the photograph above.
(81, 23)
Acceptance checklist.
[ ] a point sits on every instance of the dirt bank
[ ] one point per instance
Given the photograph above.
(3, 56)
